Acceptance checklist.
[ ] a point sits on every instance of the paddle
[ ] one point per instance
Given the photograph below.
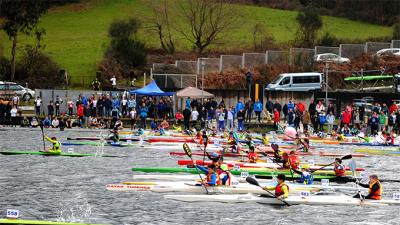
(343, 158)
(189, 154)
(253, 181)
(44, 144)
(353, 167)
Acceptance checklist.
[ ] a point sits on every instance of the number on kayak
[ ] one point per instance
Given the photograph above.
(12, 213)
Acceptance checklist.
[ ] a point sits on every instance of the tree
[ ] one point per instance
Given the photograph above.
(160, 23)
(205, 21)
(396, 31)
(20, 17)
(310, 22)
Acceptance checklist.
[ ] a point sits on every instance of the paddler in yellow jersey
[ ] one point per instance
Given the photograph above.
(56, 149)
(281, 189)
(265, 139)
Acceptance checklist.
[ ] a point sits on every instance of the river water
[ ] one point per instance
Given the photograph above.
(73, 189)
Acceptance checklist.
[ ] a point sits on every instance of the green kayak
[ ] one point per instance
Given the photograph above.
(53, 154)
(38, 222)
(250, 171)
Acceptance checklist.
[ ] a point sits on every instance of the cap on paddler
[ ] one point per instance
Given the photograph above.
(214, 154)
(281, 177)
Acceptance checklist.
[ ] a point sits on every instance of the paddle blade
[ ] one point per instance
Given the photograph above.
(187, 150)
(41, 125)
(252, 181)
(347, 157)
(353, 166)
(275, 147)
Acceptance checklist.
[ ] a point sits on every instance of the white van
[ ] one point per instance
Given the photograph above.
(296, 82)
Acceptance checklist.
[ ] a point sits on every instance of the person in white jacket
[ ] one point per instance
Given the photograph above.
(331, 120)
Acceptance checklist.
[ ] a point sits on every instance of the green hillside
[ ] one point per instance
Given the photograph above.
(77, 34)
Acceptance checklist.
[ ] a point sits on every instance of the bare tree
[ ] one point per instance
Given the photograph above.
(205, 21)
(160, 23)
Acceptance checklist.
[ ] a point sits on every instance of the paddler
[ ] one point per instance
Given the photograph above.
(291, 161)
(56, 149)
(212, 175)
(264, 139)
(233, 143)
(374, 188)
(306, 177)
(303, 144)
(278, 154)
(339, 169)
(215, 158)
(252, 155)
(281, 189)
(114, 136)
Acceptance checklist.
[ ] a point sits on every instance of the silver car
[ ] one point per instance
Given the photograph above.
(388, 51)
(9, 89)
(330, 57)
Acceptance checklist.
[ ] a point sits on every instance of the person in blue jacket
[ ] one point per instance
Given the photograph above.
(258, 106)
(239, 106)
(212, 176)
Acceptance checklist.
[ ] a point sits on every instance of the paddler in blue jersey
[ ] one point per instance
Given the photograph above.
(56, 149)
(212, 175)
(281, 189)
(305, 176)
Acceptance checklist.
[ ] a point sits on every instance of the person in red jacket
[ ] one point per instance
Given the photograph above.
(346, 117)
(393, 108)
(277, 118)
(179, 117)
(80, 114)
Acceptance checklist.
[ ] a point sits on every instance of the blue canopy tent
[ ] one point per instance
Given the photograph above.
(152, 90)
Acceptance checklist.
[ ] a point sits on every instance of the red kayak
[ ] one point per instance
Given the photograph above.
(184, 162)
(229, 154)
(172, 139)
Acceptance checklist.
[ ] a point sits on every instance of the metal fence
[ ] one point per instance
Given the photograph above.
(174, 81)
(395, 44)
(186, 66)
(228, 62)
(301, 56)
(210, 65)
(351, 50)
(276, 57)
(373, 47)
(253, 59)
(325, 49)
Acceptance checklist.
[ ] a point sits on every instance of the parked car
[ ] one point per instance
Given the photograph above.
(330, 57)
(388, 51)
(8, 89)
(296, 82)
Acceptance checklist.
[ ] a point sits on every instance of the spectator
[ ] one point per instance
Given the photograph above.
(96, 84)
(70, 105)
(374, 123)
(93, 107)
(143, 112)
(291, 117)
(58, 102)
(179, 117)
(113, 81)
(240, 117)
(47, 122)
(50, 109)
(249, 109)
(330, 109)
(80, 114)
(13, 113)
(393, 108)
(269, 107)
(258, 107)
(382, 121)
(86, 115)
(221, 119)
(38, 103)
(391, 121)
(194, 116)
(277, 118)
(278, 107)
(164, 124)
(55, 123)
(124, 104)
(132, 116)
(229, 119)
(306, 120)
(186, 118)
(188, 103)
(15, 100)
(331, 120)
(131, 103)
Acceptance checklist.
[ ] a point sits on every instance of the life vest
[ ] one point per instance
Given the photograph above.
(307, 178)
(218, 182)
(252, 157)
(378, 194)
(339, 171)
(294, 161)
(265, 141)
(278, 189)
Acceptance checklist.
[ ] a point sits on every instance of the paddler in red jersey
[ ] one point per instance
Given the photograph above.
(339, 169)
(281, 189)
(212, 175)
(291, 160)
(374, 188)
(252, 155)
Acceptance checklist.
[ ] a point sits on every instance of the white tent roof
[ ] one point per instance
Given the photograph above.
(193, 93)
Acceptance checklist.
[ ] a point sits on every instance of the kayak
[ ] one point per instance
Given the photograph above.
(241, 188)
(378, 152)
(100, 138)
(269, 165)
(291, 200)
(229, 154)
(94, 143)
(53, 154)
(38, 222)
(251, 171)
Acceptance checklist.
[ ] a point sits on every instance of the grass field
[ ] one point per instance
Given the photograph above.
(77, 34)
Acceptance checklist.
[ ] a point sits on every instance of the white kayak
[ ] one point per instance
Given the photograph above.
(291, 200)
(239, 188)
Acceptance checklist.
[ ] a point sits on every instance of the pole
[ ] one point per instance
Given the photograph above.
(326, 83)
(202, 81)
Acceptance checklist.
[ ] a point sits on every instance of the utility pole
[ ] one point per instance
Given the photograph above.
(203, 64)
(326, 82)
